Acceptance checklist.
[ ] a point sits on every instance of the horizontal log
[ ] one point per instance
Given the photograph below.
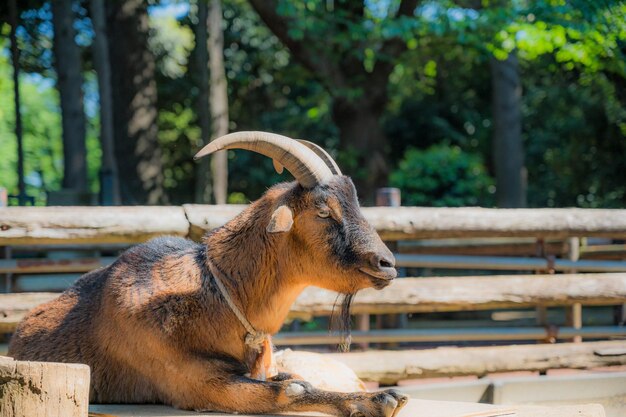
(405, 223)
(389, 367)
(421, 295)
(506, 263)
(13, 307)
(482, 246)
(47, 265)
(54, 225)
(451, 335)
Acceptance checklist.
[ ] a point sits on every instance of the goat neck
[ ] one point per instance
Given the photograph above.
(263, 281)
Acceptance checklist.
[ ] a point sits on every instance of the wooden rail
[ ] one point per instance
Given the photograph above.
(419, 295)
(54, 225)
(389, 367)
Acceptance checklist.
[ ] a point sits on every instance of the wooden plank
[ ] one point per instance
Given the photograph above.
(421, 295)
(389, 367)
(449, 335)
(414, 408)
(48, 265)
(498, 246)
(43, 389)
(54, 225)
(13, 307)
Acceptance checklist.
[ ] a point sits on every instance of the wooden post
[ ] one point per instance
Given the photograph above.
(5, 253)
(40, 389)
(541, 312)
(390, 197)
(574, 314)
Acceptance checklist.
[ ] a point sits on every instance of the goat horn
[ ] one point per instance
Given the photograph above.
(321, 152)
(304, 164)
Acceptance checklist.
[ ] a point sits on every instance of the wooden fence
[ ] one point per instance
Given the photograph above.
(528, 240)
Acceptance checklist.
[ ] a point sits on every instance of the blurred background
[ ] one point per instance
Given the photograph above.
(506, 103)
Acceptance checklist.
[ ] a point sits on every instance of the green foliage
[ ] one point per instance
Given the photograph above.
(572, 69)
(443, 176)
(41, 120)
(171, 42)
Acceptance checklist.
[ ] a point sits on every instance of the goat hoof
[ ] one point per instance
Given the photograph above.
(390, 402)
(400, 398)
(379, 404)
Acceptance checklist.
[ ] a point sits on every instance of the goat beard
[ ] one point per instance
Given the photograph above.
(342, 322)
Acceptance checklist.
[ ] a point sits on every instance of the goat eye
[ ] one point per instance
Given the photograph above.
(323, 213)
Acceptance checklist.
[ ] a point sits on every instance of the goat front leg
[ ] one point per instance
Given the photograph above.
(252, 396)
(234, 393)
(302, 396)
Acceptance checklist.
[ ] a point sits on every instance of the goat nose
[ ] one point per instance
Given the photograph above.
(382, 260)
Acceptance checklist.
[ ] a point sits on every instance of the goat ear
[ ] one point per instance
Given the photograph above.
(281, 221)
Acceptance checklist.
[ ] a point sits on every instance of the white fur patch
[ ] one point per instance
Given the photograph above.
(294, 390)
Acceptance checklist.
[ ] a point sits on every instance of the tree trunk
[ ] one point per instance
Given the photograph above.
(203, 190)
(109, 181)
(219, 100)
(362, 135)
(69, 83)
(137, 151)
(508, 151)
(15, 62)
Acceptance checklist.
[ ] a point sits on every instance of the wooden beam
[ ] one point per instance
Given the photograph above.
(421, 295)
(402, 223)
(406, 223)
(14, 306)
(48, 265)
(424, 295)
(389, 367)
(450, 335)
(414, 408)
(43, 388)
(54, 225)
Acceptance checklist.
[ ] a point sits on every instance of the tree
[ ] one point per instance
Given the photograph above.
(67, 63)
(218, 100)
(109, 180)
(15, 57)
(203, 189)
(343, 48)
(508, 150)
(134, 92)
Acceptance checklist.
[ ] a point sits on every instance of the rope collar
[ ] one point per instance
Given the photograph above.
(254, 339)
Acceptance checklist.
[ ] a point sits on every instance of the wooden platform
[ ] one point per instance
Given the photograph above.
(415, 408)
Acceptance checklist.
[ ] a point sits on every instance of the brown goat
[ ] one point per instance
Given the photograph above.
(155, 326)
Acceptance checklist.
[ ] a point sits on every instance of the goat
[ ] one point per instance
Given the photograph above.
(187, 324)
